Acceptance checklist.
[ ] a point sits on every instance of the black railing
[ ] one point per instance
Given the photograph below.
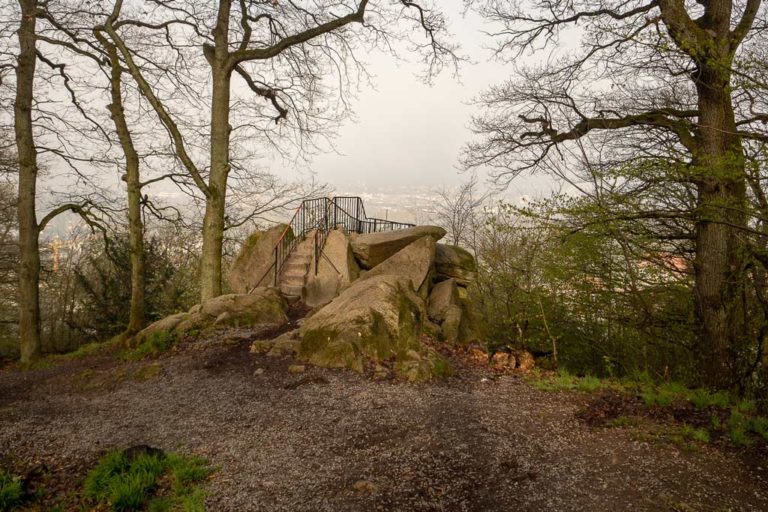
(322, 215)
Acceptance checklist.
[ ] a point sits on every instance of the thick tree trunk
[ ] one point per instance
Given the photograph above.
(132, 178)
(29, 252)
(721, 212)
(213, 222)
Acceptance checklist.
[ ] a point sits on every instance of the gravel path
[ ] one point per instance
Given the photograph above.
(335, 441)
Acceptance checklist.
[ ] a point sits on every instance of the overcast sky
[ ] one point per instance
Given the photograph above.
(407, 134)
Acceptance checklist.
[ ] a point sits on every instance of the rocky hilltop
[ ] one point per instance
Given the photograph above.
(377, 300)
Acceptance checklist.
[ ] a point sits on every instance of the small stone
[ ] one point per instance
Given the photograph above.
(260, 346)
(380, 372)
(500, 359)
(525, 360)
(296, 368)
(413, 355)
(364, 486)
(258, 371)
(478, 354)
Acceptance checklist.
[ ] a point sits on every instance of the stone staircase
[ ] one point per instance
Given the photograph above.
(295, 252)
(296, 268)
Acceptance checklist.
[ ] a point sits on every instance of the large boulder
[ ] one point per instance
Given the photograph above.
(253, 265)
(451, 325)
(454, 262)
(458, 320)
(263, 308)
(414, 262)
(443, 295)
(336, 269)
(376, 319)
(374, 248)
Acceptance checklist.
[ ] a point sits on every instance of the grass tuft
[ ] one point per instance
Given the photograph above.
(123, 485)
(152, 346)
(11, 492)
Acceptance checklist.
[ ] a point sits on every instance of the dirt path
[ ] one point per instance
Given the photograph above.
(337, 441)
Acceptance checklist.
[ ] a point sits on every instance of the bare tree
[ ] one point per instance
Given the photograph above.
(289, 44)
(49, 122)
(668, 77)
(457, 211)
(29, 230)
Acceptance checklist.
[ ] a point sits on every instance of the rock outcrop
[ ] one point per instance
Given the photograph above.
(255, 259)
(453, 262)
(413, 262)
(375, 319)
(264, 308)
(335, 270)
(374, 248)
(443, 295)
(375, 296)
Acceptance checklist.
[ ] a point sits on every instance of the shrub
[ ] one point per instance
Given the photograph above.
(11, 492)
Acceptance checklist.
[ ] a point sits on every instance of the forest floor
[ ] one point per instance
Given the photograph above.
(334, 440)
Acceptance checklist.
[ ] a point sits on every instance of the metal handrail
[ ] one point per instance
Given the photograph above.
(322, 214)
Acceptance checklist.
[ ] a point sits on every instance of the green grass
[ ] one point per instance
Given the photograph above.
(588, 383)
(82, 351)
(11, 492)
(623, 422)
(564, 381)
(665, 394)
(152, 346)
(147, 481)
(742, 428)
(703, 398)
(441, 368)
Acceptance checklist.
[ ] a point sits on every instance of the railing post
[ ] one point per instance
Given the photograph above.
(277, 270)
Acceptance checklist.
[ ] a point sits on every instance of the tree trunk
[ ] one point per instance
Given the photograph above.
(721, 211)
(213, 222)
(29, 251)
(132, 178)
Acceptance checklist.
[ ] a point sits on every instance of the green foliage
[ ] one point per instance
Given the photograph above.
(562, 272)
(564, 381)
(11, 492)
(694, 434)
(665, 394)
(126, 484)
(152, 346)
(704, 398)
(103, 286)
(441, 368)
(588, 384)
(623, 422)
(742, 427)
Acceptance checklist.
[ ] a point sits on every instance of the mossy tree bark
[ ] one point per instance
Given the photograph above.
(702, 135)
(132, 178)
(29, 251)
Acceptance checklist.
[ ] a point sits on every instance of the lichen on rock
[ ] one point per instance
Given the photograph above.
(374, 320)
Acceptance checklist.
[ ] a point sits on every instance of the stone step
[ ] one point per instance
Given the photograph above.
(298, 279)
(296, 267)
(305, 247)
(298, 256)
(291, 290)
